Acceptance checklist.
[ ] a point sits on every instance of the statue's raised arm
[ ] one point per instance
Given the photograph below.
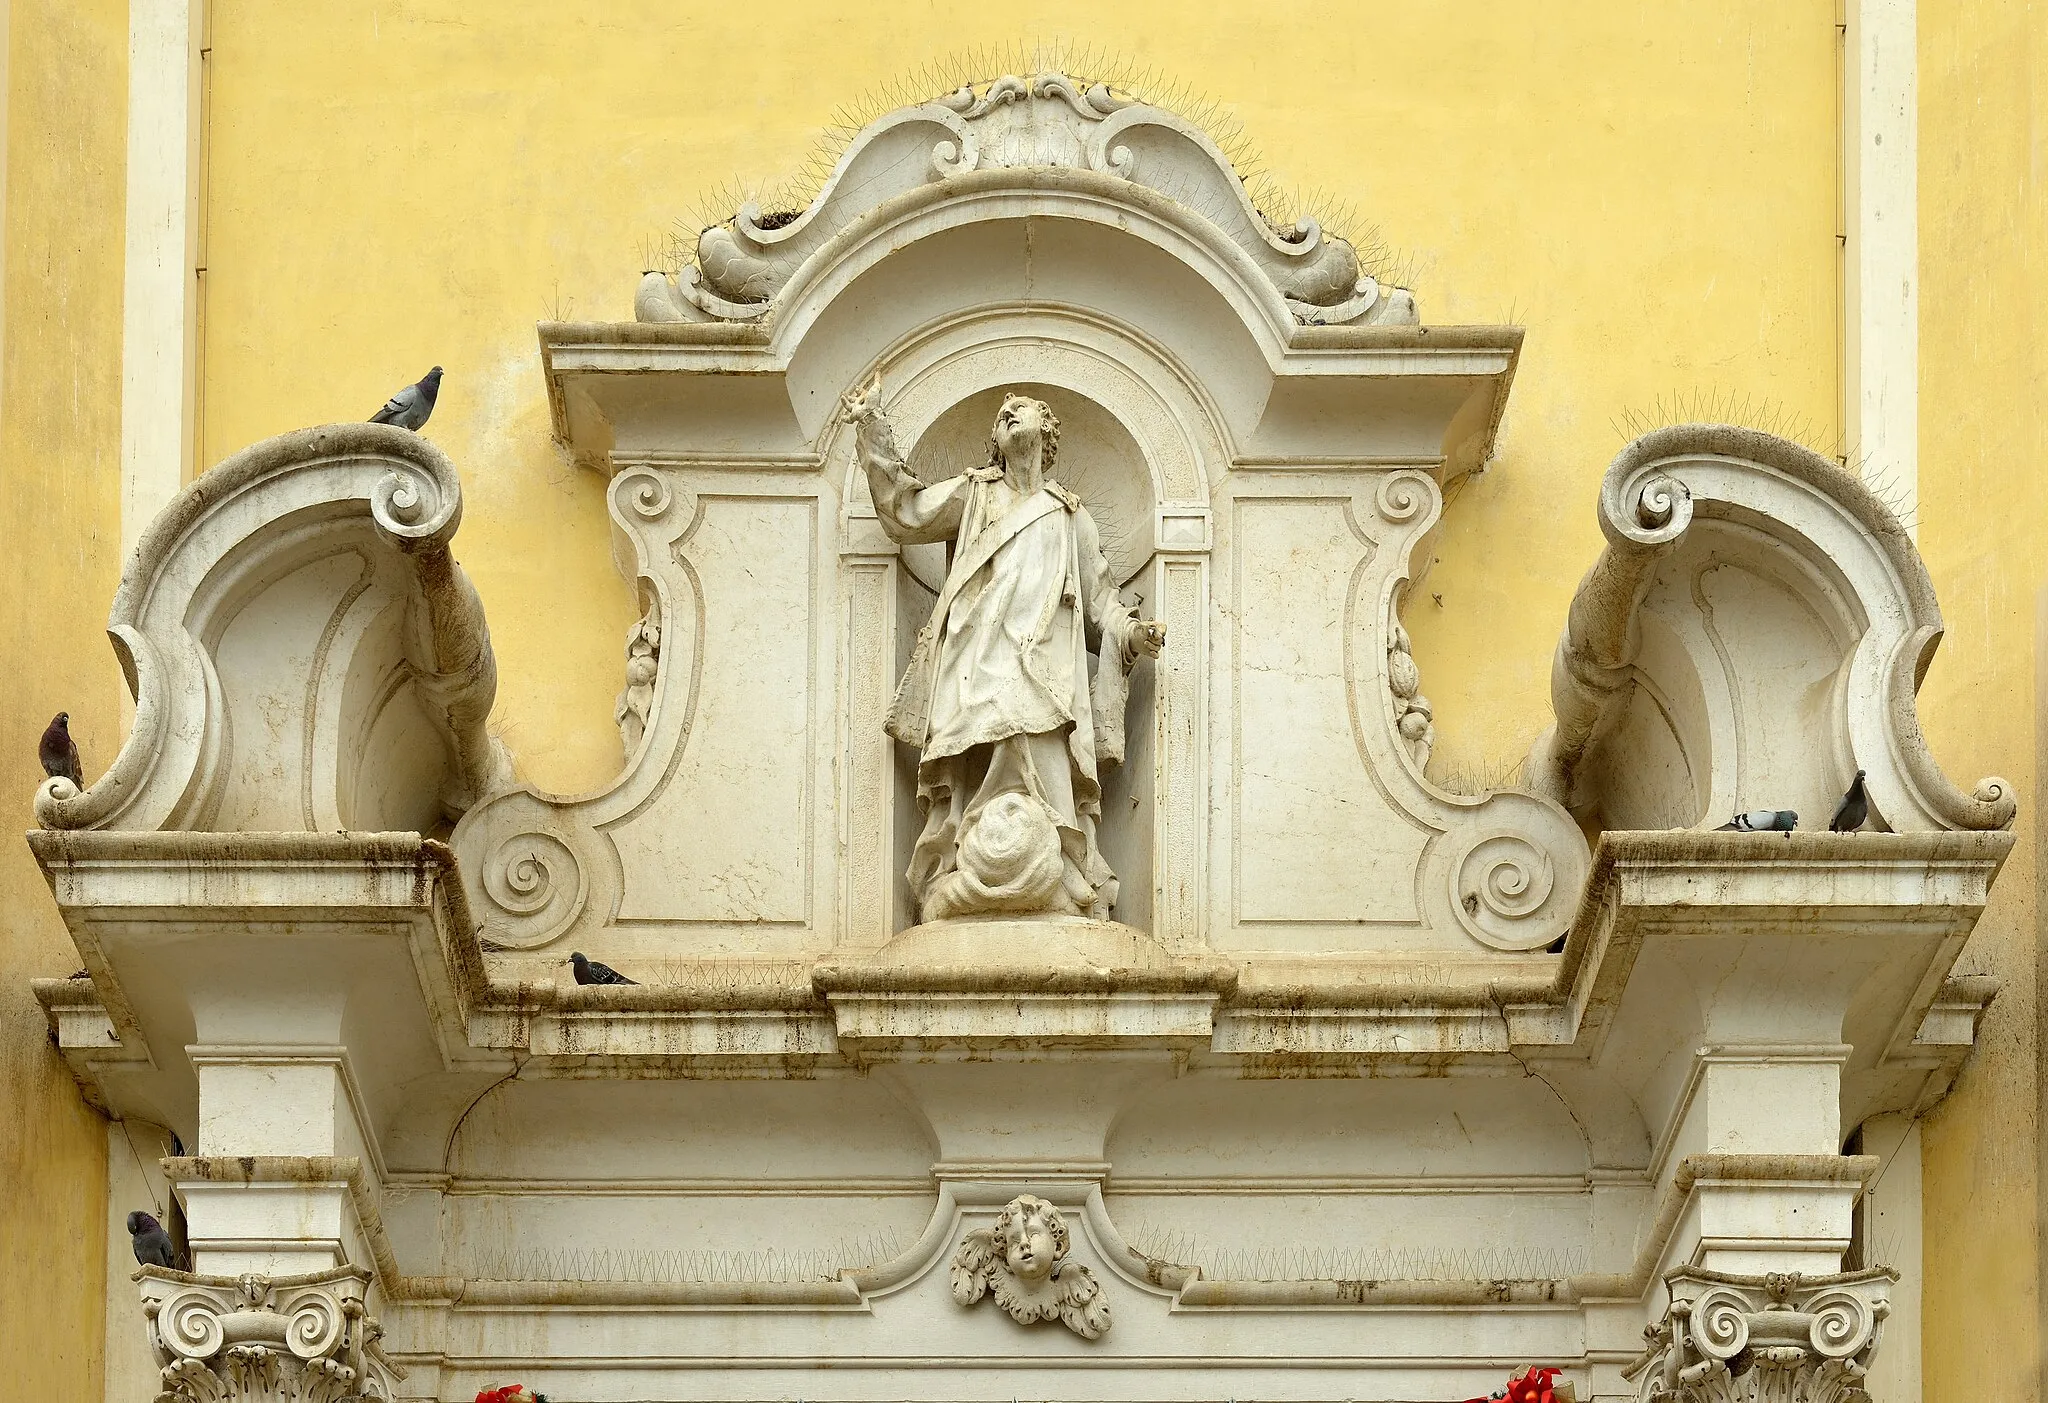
(909, 511)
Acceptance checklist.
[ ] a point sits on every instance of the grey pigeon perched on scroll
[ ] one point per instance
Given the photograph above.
(591, 972)
(1855, 809)
(1762, 821)
(412, 406)
(59, 753)
(153, 1246)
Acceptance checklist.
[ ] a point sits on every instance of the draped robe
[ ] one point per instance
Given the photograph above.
(1011, 723)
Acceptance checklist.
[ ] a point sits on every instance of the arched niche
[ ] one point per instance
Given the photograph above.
(1140, 445)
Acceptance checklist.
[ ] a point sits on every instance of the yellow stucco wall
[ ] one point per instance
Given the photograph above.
(60, 441)
(1984, 531)
(1650, 189)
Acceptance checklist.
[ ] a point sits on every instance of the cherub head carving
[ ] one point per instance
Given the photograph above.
(1023, 1259)
(1032, 1237)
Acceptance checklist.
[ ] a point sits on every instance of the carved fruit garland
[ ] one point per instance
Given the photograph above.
(1412, 713)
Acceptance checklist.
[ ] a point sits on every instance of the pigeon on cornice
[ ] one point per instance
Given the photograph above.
(412, 406)
(59, 753)
(591, 972)
(1854, 810)
(1762, 821)
(153, 1246)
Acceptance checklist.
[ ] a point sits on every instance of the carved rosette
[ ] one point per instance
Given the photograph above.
(1776, 1338)
(259, 1339)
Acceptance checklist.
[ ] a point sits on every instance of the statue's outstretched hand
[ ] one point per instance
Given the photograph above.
(1148, 636)
(862, 402)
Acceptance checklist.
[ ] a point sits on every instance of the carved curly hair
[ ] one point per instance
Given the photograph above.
(1052, 436)
(1016, 1211)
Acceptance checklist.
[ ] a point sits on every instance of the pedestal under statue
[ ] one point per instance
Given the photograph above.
(1011, 721)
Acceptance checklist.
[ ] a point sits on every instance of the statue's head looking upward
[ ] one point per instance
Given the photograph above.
(1024, 441)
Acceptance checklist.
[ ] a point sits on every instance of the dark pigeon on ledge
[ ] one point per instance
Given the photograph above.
(153, 1246)
(1855, 809)
(59, 753)
(591, 972)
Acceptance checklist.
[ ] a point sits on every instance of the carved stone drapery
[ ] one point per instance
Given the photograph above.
(1776, 1338)
(259, 1339)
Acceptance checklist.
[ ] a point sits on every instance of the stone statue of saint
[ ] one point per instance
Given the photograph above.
(1011, 719)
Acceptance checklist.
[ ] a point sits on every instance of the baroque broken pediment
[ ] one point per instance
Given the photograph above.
(1021, 134)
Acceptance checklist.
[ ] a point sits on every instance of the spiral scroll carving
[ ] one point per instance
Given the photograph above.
(415, 506)
(1995, 793)
(1502, 887)
(1842, 1323)
(189, 1325)
(315, 1325)
(537, 881)
(1720, 1323)
(1647, 509)
(1403, 495)
(641, 493)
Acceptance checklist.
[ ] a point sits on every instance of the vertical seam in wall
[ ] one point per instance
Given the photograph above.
(203, 205)
(158, 293)
(1844, 68)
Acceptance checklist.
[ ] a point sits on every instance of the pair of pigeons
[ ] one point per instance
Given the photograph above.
(1850, 815)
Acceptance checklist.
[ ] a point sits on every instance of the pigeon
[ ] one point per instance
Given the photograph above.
(1855, 808)
(153, 1246)
(59, 752)
(412, 406)
(591, 972)
(1762, 821)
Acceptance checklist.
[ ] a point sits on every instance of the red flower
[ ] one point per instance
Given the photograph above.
(1532, 1387)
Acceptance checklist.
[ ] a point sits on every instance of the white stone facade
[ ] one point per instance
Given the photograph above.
(1365, 1090)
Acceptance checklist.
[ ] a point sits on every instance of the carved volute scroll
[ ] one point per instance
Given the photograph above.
(1744, 575)
(308, 580)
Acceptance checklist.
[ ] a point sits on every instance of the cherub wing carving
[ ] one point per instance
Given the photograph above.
(1083, 1307)
(973, 1264)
